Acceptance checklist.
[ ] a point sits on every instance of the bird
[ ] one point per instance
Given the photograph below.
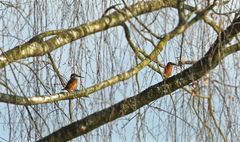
(72, 83)
(168, 69)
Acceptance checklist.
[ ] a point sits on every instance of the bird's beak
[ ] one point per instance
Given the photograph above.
(173, 63)
(80, 76)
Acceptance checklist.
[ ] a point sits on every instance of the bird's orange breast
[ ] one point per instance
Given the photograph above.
(72, 85)
(168, 70)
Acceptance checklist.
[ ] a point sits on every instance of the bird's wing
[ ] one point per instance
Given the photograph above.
(68, 84)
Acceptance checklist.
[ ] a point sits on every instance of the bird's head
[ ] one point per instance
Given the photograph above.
(75, 75)
(171, 63)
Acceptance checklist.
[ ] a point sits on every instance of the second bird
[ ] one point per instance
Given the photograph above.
(168, 69)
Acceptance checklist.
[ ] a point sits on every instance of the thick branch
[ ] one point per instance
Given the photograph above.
(38, 47)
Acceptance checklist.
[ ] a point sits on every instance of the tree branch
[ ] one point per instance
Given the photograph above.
(38, 47)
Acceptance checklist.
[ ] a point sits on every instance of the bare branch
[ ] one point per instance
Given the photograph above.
(38, 47)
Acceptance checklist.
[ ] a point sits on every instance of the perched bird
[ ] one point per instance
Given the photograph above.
(168, 69)
(72, 83)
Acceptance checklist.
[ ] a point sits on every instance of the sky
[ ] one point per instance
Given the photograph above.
(98, 57)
